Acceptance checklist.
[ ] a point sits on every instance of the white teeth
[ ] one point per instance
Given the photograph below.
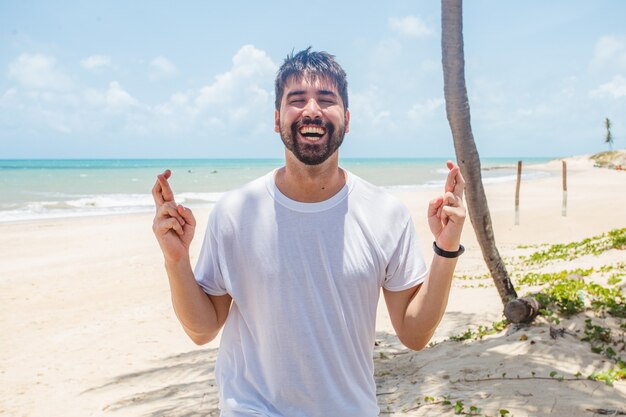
(312, 129)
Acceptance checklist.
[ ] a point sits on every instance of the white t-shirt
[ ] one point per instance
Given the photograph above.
(305, 279)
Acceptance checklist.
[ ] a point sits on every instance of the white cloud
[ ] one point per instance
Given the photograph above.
(161, 67)
(385, 52)
(118, 98)
(9, 94)
(422, 111)
(237, 104)
(616, 88)
(95, 62)
(610, 53)
(38, 71)
(114, 98)
(411, 26)
(369, 112)
(252, 69)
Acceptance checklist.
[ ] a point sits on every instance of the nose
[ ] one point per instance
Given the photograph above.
(312, 109)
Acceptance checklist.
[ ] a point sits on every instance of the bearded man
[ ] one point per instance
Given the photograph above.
(293, 263)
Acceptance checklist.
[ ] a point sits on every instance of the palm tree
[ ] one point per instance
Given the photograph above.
(457, 110)
(608, 138)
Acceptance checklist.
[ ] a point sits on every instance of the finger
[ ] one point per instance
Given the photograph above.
(440, 213)
(166, 190)
(454, 214)
(450, 199)
(450, 181)
(187, 215)
(175, 225)
(167, 210)
(455, 182)
(434, 206)
(170, 223)
(156, 194)
(459, 183)
(443, 215)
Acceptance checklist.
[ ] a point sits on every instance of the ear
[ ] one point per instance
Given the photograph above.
(276, 121)
(347, 121)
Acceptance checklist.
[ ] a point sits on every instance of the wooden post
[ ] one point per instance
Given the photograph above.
(564, 207)
(519, 180)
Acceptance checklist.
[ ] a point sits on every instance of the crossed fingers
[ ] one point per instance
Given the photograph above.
(170, 214)
(455, 182)
(449, 206)
(162, 192)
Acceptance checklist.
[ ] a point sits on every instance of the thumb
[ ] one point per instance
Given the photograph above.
(186, 214)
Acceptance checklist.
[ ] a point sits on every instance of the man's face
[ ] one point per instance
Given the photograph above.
(312, 120)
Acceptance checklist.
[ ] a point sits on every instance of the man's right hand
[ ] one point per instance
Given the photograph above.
(173, 225)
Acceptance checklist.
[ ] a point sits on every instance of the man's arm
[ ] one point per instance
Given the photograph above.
(416, 312)
(201, 315)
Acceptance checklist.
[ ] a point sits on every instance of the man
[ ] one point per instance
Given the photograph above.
(293, 263)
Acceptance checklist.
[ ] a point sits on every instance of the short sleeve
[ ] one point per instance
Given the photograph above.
(207, 272)
(406, 267)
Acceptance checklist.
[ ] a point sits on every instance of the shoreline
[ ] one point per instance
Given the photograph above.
(113, 204)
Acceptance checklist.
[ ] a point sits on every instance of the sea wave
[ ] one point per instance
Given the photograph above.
(65, 205)
(496, 179)
(35, 205)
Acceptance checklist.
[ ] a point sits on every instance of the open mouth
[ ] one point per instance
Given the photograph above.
(312, 133)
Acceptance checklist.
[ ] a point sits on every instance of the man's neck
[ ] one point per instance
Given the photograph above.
(310, 183)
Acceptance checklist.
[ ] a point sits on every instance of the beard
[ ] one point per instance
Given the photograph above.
(312, 153)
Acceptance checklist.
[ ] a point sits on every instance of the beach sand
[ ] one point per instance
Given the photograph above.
(88, 330)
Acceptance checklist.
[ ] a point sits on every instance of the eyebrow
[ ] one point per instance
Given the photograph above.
(320, 92)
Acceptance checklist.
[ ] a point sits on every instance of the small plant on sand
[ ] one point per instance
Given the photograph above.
(597, 336)
(481, 331)
(534, 278)
(607, 300)
(571, 296)
(615, 239)
(610, 376)
(603, 342)
(465, 277)
(458, 407)
(614, 374)
(566, 296)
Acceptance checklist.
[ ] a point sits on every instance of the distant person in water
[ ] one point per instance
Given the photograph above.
(293, 264)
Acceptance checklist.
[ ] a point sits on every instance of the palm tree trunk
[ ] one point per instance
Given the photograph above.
(457, 110)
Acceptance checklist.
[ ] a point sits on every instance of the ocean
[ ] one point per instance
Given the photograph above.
(41, 189)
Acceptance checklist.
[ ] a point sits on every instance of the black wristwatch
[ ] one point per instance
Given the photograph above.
(447, 254)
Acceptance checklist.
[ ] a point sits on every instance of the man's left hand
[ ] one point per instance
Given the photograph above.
(446, 214)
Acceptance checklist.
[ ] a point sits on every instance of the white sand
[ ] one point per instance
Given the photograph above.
(87, 327)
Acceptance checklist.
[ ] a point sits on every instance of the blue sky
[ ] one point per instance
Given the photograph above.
(149, 79)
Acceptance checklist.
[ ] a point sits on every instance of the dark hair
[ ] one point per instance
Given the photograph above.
(312, 65)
